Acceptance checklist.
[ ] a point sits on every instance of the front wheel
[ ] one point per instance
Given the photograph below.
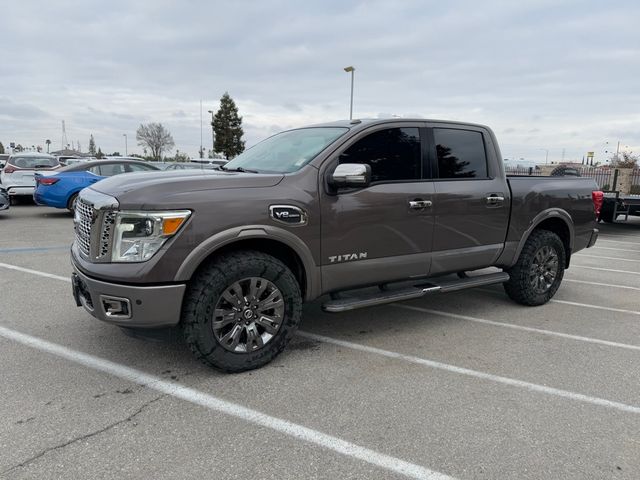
(537, 275)
(241, 310)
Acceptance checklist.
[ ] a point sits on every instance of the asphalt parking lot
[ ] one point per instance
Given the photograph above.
(467, 385)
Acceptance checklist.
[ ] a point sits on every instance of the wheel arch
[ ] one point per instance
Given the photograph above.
(71, 194)
(554, 220)
(273, 241)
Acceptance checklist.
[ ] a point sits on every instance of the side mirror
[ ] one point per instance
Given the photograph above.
(351, 175)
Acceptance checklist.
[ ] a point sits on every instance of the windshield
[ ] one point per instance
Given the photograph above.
(287, 151)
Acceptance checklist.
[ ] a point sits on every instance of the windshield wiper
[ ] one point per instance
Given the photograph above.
(238, 169)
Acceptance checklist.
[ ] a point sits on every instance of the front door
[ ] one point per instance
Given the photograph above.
(383, 232)
(471, 200)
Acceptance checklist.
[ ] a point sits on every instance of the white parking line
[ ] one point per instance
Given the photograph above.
(228, 408)
(631, 250)
(606, 269)
(534, 387)
(612, 285)
(582, 255)
(616, 241)
(35, 272)
(575, 304)
(518, 327)
(596, 307)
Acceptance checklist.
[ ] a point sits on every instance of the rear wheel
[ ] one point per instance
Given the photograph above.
(537, 275)
(241, 310)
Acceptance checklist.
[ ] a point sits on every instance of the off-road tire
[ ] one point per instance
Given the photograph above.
(519, 287)
(204, 291)
(564, 171)
(606, 216)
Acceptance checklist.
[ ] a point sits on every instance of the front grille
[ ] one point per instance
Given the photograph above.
(94, 220)
(84, 218)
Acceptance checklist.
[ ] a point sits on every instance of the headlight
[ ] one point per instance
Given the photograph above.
(139, 235)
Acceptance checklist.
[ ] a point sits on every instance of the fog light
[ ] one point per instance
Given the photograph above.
(116, 307)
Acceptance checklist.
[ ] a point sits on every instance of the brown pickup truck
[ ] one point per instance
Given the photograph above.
(362, 212)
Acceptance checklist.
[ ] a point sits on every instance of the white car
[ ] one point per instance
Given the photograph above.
(18, 175)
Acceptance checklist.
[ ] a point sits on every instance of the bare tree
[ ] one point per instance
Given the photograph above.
(624, 160)
(156, 138)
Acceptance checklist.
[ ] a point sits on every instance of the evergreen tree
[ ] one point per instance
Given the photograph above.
(227, 126)
(1, 148)
(92, 146)
(99, 154)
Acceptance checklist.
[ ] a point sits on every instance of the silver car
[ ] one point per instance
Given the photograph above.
(18, 174)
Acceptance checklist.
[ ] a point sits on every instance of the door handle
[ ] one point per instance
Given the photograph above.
(419, 204)
(494, 200)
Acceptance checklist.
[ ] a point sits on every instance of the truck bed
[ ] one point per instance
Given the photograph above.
(534, 195)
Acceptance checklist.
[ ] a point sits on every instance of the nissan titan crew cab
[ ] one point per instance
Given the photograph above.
(361, 212)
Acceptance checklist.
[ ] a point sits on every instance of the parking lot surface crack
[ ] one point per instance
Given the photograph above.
(82, 437)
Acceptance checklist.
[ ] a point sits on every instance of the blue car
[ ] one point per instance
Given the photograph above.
(60, 188)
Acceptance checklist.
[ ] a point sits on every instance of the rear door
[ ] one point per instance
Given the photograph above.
(471, 200)
(378, 234)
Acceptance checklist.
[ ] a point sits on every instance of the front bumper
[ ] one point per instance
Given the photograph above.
(127, 305)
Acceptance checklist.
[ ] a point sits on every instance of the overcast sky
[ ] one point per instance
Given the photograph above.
(543, 74)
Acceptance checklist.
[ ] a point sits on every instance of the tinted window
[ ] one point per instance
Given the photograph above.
(461, 153)
(394, 154)
(110, 169)
(33, 162)
(95, 169)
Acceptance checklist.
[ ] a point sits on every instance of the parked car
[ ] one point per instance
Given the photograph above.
(192, 166)
(5, 201)
(18, 175)
(210, 161)
(60, 188)
(403, 205)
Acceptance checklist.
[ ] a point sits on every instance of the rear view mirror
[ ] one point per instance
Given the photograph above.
(351, 175)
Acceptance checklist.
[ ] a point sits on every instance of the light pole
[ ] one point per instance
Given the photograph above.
(126, 152)
(201, 152)
(351, 70)
(546, 158)
(213, 134)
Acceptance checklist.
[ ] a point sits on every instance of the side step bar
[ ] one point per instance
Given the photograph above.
(409, 293)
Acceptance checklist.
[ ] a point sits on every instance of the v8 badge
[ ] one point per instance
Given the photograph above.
(288, 214)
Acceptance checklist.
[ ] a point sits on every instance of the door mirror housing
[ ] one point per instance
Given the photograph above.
(351, 175)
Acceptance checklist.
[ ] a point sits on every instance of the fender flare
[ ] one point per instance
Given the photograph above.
(245, 232)
(537, 220)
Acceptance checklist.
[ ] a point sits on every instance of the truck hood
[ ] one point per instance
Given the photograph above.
(151, 187)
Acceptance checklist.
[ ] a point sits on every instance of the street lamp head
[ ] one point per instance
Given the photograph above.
(349, 69)
(210, 111)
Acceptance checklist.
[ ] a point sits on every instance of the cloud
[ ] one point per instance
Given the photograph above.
(544, 74)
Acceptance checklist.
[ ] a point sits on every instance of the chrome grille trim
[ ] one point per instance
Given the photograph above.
(93, 223)
(83, 219)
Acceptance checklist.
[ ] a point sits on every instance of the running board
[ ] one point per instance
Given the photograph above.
(389, 296)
